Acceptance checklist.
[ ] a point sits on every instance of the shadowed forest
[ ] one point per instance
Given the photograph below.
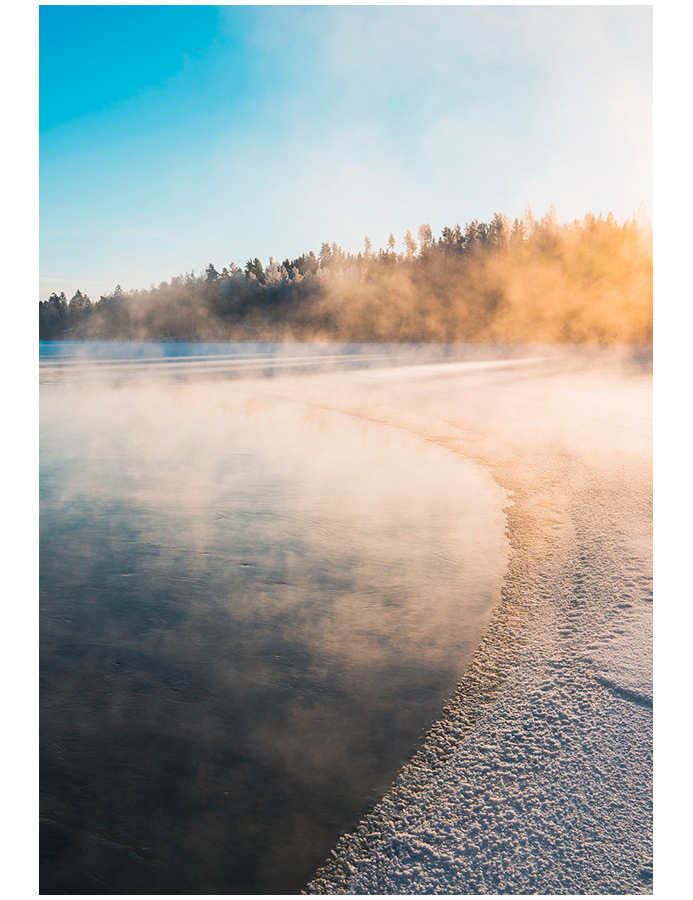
(530, 280)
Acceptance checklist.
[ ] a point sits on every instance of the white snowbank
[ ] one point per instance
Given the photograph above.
(537, 778)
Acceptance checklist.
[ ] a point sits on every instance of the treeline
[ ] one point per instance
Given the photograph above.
(529, 280)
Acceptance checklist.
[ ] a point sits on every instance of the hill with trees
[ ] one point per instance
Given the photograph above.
(532, 279)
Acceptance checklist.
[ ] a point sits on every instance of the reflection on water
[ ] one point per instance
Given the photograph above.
(249, 611)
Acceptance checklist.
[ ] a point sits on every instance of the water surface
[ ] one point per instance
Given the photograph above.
(250, 609)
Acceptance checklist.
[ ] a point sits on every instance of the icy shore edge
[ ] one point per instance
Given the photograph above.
(538, 776)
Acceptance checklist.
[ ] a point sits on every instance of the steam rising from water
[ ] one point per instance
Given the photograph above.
(250, 609)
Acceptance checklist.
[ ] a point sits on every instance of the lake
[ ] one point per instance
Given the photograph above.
(251, 608)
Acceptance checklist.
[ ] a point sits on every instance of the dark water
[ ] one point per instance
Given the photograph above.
(250, 609)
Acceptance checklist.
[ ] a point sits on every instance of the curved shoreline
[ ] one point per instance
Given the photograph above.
(537, 778)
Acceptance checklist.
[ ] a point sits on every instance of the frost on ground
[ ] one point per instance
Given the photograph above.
(538, 776)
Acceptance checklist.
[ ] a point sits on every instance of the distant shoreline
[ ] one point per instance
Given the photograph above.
(191, 339)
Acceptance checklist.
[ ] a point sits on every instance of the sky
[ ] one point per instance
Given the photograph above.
(175, 136)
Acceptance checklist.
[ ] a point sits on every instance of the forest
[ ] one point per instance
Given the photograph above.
(533, 279)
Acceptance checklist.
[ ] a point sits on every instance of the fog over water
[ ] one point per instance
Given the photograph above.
(250, 609)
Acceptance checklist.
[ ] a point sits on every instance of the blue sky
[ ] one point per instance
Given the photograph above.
(175, 136)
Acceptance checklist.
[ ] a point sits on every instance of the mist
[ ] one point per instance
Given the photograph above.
(239, 643)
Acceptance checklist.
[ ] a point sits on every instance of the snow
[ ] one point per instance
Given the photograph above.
(538, 776)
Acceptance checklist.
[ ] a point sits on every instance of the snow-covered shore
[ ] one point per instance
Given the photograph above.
(538, 777)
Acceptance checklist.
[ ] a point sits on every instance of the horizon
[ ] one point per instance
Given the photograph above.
(228, 133)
